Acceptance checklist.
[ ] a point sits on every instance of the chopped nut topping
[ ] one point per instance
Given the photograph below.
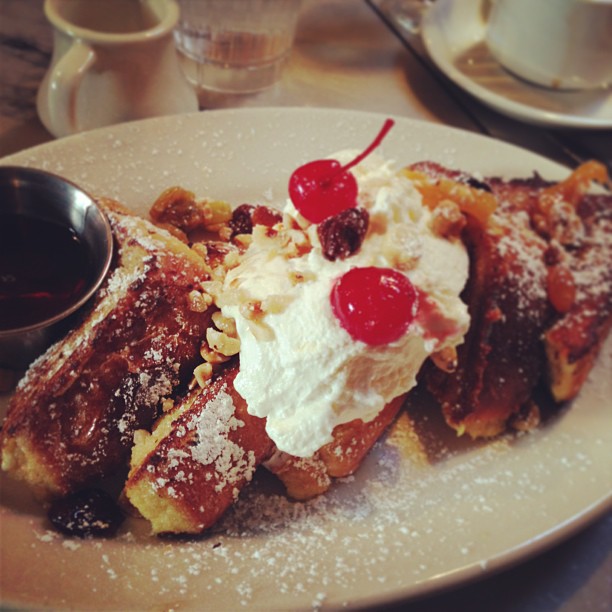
(202, 374)
(178, 208)
(216, 212)
(231, 260)
(220, 342)
(252, 310)
(226, 324)
(243, 241)
(167, 404)
(447, 220)
(211, 356)
(446, 359)
(198, 302)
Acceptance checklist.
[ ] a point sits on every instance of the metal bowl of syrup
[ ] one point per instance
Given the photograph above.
(55, 249)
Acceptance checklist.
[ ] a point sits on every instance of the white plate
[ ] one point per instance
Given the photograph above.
(454, 35)
(400, 528)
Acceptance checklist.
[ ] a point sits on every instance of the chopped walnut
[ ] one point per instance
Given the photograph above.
(178, 208)
(252, 310)
(211, 356)
(198, 301)
(447, 220)
(220, 342)
(203, 374)
(167, 404)
(225, 324)
(217, 251)
(216, 213)
(243, 241)
(225, 232)
(446, 359)
(231, 260)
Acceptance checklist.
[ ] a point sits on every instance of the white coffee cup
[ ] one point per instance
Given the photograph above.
(560, 44)
(113, 61)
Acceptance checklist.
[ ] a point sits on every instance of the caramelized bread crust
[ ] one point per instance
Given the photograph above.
(527, 324)
(73, 416)
(502, 358)
(305, 478)
(191, 468)
(573, 341)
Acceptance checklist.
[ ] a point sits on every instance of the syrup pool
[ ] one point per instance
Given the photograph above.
(44, 269)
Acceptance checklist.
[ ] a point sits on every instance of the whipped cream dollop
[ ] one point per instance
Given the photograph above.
(307, 375)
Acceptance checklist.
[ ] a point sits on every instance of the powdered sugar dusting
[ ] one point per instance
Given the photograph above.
(213, 446)
(398, 522)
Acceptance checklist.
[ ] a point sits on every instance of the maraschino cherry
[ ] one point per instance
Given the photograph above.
(374, 305)
(324, 188)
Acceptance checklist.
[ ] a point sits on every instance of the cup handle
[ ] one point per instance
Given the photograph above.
(64, 86)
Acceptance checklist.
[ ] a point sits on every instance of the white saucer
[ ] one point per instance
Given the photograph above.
(454, 35)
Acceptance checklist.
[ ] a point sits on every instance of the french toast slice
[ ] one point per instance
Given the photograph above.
(539, 295)
(190, 469)
(305, 478)
(200, 454)
(73, 415)
(573, 341)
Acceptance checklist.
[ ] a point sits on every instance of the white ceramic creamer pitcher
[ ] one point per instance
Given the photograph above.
(113, 61)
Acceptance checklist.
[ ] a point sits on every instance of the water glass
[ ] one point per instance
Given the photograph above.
(235, 46)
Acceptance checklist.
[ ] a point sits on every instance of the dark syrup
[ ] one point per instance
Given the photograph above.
(44, 269)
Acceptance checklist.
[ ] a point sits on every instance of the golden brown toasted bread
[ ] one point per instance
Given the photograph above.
(540, 271)
(73, 416)
(305, 478)
(574, 339)
(191, 468)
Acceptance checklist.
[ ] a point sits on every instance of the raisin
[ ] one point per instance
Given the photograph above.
(476, 184)
(341, 235)
(177, 207)
(86, 513)
(242, 221)
(246, 216)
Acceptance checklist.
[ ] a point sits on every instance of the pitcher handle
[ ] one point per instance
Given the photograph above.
(64, 86)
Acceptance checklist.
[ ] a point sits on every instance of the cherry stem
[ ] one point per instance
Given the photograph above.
(388, 124)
